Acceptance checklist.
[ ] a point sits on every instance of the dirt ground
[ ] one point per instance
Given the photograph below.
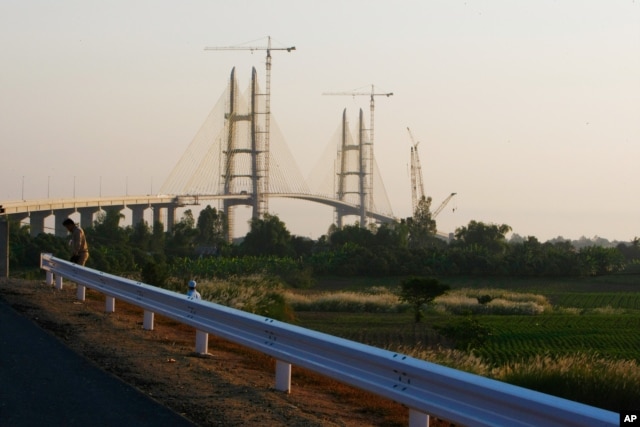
(232, 386)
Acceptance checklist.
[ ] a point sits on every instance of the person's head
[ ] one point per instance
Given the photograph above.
(192, 284)
(68, 224)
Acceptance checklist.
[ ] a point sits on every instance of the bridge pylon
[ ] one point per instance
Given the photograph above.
(245, 153)
(355, 160)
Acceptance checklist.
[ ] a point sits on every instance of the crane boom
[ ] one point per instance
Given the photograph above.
(442, 205)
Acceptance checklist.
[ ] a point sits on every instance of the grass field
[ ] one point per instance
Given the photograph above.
(590, 332)
(593, 315)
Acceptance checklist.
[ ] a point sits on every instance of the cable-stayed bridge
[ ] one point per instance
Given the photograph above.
(234, 161)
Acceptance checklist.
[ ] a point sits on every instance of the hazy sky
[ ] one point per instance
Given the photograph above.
(530, 111)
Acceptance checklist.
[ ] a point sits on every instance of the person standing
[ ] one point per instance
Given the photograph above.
(79, 247)
(192, 293)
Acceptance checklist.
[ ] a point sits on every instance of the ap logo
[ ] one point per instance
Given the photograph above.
(630, 418)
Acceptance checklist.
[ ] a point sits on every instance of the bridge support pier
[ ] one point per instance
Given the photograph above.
(86, 216)
(60, 215)
(36, 222)
(171, 217)
(157, 215)
(137, 214)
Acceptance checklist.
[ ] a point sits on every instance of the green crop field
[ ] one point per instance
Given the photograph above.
(582, 343)
(595, 316)
(522, 337)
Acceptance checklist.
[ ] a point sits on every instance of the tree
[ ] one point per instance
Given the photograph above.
(211, 227)
(140, 236)
(597, 260)
(422, 227)
(268, 236)
(418, 291)
(488, 236)
(158, 238)
(180, 242)
(353, 234)
(392, 235)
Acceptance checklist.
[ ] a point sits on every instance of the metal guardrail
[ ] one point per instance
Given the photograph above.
(425, 388)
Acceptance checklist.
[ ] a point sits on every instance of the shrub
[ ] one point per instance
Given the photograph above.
(465, 301)
(353, 302)
(254, 294)
(467, 333)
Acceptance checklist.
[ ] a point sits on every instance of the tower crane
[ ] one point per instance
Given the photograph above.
(267, 132)
(417, 185)
(369, 157)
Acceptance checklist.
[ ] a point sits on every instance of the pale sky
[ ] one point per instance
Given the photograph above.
(530, 111)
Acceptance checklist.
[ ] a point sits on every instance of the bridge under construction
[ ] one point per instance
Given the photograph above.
(239, 157)
(229, 156)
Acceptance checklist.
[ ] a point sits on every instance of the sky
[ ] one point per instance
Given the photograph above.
(529, 111)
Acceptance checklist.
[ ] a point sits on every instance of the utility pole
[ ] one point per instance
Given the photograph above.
(367, 154)
(262, 198)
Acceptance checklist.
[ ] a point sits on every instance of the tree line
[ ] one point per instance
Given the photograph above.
(408, 247)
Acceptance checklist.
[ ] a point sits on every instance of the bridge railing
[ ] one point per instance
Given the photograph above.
(425, 388)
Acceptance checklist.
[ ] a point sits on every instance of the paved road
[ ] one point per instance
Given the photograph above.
(43, 383)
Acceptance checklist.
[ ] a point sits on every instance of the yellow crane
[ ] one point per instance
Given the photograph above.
(267, 132)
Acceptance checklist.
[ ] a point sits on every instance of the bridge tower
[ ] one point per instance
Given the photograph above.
(244, 168)
(261, 150)
(354, 160)
(366, 152)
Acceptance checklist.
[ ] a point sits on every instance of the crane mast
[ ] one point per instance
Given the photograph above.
(263, 201)
(367, 173)
(417, 184)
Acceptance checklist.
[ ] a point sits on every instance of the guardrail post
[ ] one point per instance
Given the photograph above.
(110, 304)
(147, 324)
(59, 282)
(418, 419)
(80, 292)
(49, 278)
(202, 342)
(283, 376)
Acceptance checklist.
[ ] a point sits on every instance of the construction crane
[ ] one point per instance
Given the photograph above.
(442, 205)
(417, 185)
(371, 94)
(369, 156)
(267, 132)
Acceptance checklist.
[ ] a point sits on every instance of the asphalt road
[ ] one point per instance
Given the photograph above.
(42, 382)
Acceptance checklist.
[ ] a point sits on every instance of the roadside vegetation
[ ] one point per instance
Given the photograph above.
(556, 316)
